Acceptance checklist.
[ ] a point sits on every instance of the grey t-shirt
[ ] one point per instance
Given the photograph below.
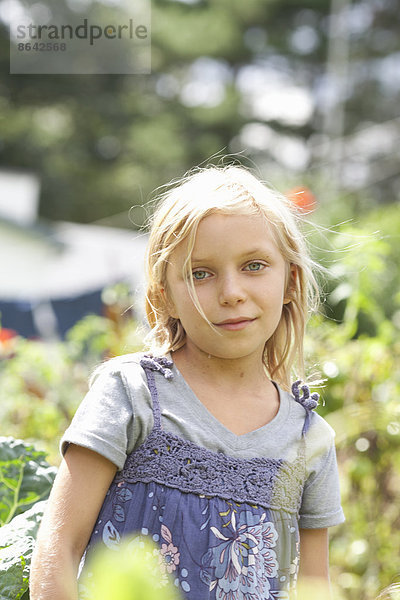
(116, 416)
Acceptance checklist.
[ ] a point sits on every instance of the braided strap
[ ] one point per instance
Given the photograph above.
(307, 400)
(155, 363)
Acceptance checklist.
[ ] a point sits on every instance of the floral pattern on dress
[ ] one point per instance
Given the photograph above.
(243, 562)
(169, 555)
(111, 536)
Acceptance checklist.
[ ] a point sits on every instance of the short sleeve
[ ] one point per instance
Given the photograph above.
(104, 420)
(321, 505)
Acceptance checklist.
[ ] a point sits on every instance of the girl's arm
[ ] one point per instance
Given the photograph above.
(74, 504)
(314, 565)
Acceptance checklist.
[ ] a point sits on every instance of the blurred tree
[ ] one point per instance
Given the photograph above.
(227, 76)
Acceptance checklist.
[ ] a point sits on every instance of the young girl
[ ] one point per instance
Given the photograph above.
(202, 445)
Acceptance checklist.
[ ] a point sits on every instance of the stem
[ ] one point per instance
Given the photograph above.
(16, 494)
(9, 485)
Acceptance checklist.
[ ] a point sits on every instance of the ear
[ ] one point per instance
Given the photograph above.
(291, 284)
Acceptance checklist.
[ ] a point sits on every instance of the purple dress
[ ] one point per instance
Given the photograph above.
(227, 528)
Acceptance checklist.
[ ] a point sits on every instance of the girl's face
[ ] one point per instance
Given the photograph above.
(240, 280)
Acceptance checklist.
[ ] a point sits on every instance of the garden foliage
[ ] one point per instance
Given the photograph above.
(25, 480)
(137, 577)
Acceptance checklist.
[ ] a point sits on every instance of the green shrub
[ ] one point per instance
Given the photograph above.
(26, 479)
(133, 572)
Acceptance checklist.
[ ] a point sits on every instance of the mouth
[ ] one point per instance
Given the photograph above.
(235, 324)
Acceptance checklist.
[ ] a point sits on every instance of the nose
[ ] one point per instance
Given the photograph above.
(231, 291)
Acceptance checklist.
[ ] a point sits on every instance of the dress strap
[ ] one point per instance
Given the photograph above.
(151, 364)
(307, 400)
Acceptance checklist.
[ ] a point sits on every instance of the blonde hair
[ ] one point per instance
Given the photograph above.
(229, 190)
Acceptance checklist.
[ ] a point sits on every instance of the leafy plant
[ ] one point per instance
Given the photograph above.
(17, 540)
(25, 477)
(39, 392)
(42, 383)
(25, 481)
(133, 572)
(355, 343)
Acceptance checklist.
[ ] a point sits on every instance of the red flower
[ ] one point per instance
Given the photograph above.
(303, 198)
(6, 335)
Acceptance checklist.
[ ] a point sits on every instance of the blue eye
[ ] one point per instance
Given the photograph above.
(200, 275)
(255, 266)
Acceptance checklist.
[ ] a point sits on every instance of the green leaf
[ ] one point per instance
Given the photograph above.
(22, 526)
(14, 568)
(17, 540)
(133, 572)
(25, 477)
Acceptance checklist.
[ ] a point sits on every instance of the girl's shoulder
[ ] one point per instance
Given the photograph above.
(304, 405)
(117, 361)
(320, 438)
(305, 420)
(131, 368)
(126, 364)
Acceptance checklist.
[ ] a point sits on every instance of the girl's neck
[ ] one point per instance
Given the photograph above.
(239, 395)
(226, 373)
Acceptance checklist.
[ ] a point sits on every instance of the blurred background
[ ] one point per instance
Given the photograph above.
(306, 93)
